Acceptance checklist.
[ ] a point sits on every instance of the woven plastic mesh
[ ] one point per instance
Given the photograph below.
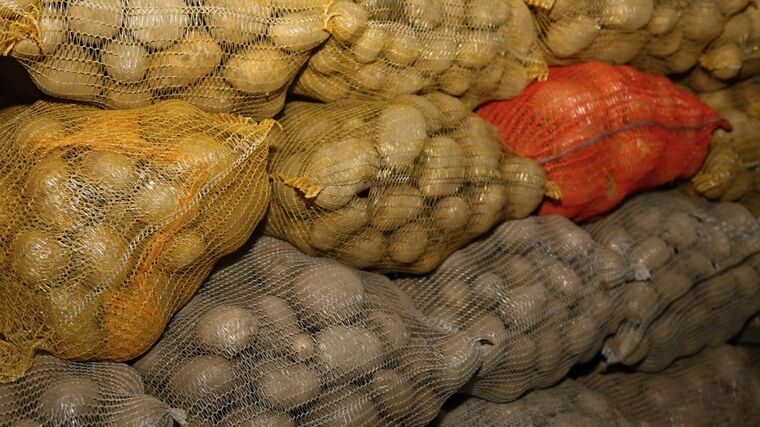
(567, 404)
(731, 57)
(673, 242)
(59, 393)
(602, 132)
(393, 185)
(110, 220)
(474, 49)
(220, 55)
(276, 337)
(714, 388)
(656, 36)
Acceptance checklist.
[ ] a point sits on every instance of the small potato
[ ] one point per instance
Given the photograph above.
(666, 44)
(157, 202)
(478, 50)
(298, 32)
(671, 285)
(616, 239)
(486, 203)
(347, 21)
(702, 21)
(648, 256)
(336, 347)
(451, 213)
(37, 258)
(328, 293)
(407, 81)
(226, 330)
(455, 81)
(158, 24)
(401, 134)
(437, 56)
(408, 243)
(664, 18)
(112, 171)
(524, 303)
(641, 302)
(627, 15)
(94, 22)
(548, 350)
(52, 27)
(443, 167)
(193, 57)
(69, 400)
(455, 294)
(127, 96)
(716, 291)
(571, 35)
(462, 357)
(524, 183)
(346, 406)
(372, 76)
(568, 240)
(329, 228)
(747, 280)
(454, 113)
(390, 328)
(695, 264)
(393, 393)
(125, 60)
(734, 215)
(236, 21)
(680, 230)
(487, 13)
(71, 73)
(212, 94)
(494, 340)
(563, 280)
(241, 418)
(365, 250)
(101, 251)
(611, 268)
(402, 48)
(423, 14)
(276, 316)
(258, 71)
(648, 221)
(724, 61)
(717, 243)
(203, 379)
(369, 45)
(203, 153)
(395, 206)
(286, 386)
(582, 332)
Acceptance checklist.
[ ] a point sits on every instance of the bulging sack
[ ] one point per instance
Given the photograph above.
(220, 55)
(473, 49)
(111, 219)
(276, 337)
(601, 133)
(393, 185)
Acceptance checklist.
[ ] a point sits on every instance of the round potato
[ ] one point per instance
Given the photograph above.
(227, 330)
(395, 206)
(187, 61)
(203, 378)
(237, 21)
(336, 347)
(401, 135)
(124, 60)
(408, 243)
(37, 258)
(158, 24)
(92, 23)
(69, 400)
(286, 386)
(328, 293)
(259, 71)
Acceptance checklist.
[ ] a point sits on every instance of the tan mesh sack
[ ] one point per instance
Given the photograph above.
(567, 404)
(714, 388)
(59, 393)
(656, 36)
(474, 49)
(671, 242)
(220, 55)
(275, 337)
(393, 185)
(111, 219)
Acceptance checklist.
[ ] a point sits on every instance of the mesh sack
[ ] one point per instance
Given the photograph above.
(393, 185)
(731, 57)
(474, 49)
(673, 242)
(220, 55)
(568, 404)
(656, 36)
(602, 132)
(111, 219)
(59, 393)
(276, 337)
(751, 332)
(714, 388)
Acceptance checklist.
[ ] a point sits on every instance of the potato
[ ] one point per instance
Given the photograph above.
(347, 406)
(627, 15)
(393, 393)
(437, 56)
(525, 182)
(487, 13)
(403, 48)
(648, 256)
(258, 71)
(548, 351)
(372, 76)
(451, 213)
(407, 81)
(37, 258)
(734, 215)
(101, 250)
(52, 30)
(494, 340)
(665, 45)
(395, 206)
(157, 202)
(126, 96)
(69, 400)
(327, 229)
(336, 347)
(226, 330)
(191, 58)
(454, 113)
(641, 302)
(92, 23)
(524, 303)
(568, 240)
(390, 328)
(124, 60)
(109, 170)
(213, 94)
(717, 242)
(724, 61)
(455, 81)
(71, 73)
(203, 152)
(454, 294)
(241, 418)
(611, 269)
(702, 21)
(286, 386)
(408, 243)
(328, 293)
(203, 379)
(671, 285)
(347, 20)
(747, 280)
(401, 133)
(616, 239)
(570, 35)
(365, 249)
(461, 355)
(158, 24)
(298, 31)
(443, 167)
(142, 411)
(582, 332)
(236, 21)
(478, 50)
(369, 45)
(276, 315)
(680, 230)
(486, 203)
(648, 221)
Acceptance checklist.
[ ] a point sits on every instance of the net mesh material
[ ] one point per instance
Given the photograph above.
(551, 294)
(220, 55)
(656, 36)
(751, 332)
(474, 49)
(567, 404)
(731, 57)
(110, 220)
(602, 132)
(714, 388)
(55, 392)
(276, 337)
(732, 169)
(393, 185)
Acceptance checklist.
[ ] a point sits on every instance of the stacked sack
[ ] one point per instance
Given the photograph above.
(226, 56)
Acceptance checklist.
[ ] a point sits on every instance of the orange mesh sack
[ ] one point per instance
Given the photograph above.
(714, 388)
(100, 394)
(279, 338)
(393, 185)
(474, 49)
(111, 219)
(568, 404)
(656, 36)
(602, 132)
(220, 55)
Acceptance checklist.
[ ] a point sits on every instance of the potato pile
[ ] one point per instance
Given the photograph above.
(713, 388)
(567, 404)
(280, 338)
(656, 36)
(542, 292)
(59, 393)
(393, 185)
(220, 55)
(671, 242)
(110, 220)
(473, 49)
(732, 56)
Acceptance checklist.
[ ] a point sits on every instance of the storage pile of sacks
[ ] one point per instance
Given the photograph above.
(379, 212)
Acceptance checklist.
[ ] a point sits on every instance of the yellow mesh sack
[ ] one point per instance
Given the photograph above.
(393, 185)
(474, 49)
(111, 219)
(220, 55)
